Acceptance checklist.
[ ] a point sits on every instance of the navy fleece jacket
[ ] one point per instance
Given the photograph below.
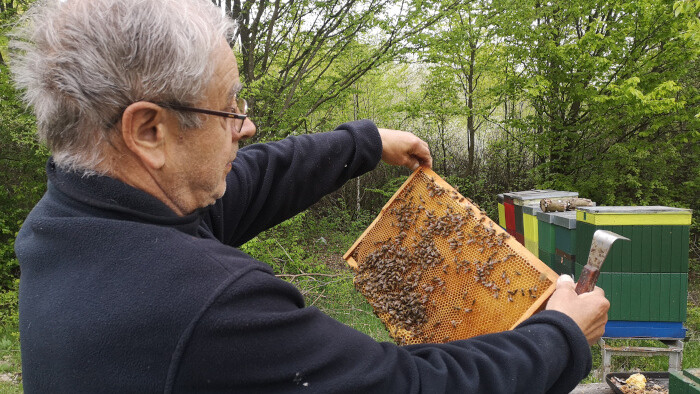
(119, 294)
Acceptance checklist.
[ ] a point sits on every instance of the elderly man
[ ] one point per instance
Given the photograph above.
(131, 280)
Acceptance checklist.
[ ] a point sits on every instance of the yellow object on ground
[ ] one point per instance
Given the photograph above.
(637, 380)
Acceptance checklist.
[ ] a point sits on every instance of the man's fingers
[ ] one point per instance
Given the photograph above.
(404, 149)
(565, 278)
(422, 154)
(596, 292)
(566, 282)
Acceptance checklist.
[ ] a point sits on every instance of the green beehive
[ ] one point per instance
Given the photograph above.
(684, 382)
(564, 225)
(530, 228)
(644, 296)
(545, 239)
(557, 240)
(659, 237)
(646, 278)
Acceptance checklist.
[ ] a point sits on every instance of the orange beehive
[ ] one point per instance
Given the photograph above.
(435, 268)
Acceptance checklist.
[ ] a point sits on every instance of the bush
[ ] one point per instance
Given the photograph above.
(22, 174)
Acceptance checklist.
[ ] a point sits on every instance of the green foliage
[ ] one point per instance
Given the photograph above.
(595, 75)
(9, 316)
(22, 180)
(22, 177)
(282, 247)
(298, 58)
(10, 358)
(692, 9)
(389, 188)
(305, 250)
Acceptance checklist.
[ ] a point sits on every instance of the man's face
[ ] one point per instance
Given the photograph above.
(201, 158)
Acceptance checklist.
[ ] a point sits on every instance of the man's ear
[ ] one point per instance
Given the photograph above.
(143, 129)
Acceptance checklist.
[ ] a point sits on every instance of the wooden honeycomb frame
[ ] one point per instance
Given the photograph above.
(435, 268)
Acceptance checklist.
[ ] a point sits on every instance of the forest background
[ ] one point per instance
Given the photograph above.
(597, 97)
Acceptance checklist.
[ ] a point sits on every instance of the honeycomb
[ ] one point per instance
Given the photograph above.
(435, 268)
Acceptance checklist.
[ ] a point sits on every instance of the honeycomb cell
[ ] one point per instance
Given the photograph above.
(435, 268)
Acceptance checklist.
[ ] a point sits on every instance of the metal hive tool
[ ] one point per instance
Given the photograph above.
(435, 268)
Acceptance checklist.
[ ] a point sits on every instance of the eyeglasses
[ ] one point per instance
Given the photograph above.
(234, 120)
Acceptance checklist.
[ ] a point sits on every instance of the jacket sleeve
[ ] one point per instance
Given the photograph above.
(256, 336)
(272, 182)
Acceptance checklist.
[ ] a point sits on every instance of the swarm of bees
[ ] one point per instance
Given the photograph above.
(435, 268)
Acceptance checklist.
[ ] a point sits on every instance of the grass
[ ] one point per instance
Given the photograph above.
(10, 361)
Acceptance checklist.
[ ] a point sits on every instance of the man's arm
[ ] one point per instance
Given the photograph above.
(256, 336)
(272, 182)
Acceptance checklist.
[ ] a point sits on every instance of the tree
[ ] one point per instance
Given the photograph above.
(596, 75)
(463, 49)
(295, 56)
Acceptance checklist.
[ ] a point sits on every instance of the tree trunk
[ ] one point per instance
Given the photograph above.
(356, 109)
(441, 132)
(470, 107)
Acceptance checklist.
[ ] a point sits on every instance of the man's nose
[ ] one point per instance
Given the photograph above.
(248, 129)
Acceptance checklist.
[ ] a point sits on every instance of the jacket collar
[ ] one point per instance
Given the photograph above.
(115, 199)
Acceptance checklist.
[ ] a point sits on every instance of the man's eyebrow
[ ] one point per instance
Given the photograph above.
(235, 89)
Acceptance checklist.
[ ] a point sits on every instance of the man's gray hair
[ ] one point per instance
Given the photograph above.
(80, 63)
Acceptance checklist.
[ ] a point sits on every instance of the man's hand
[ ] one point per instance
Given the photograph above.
(588, 310)
(401, 148)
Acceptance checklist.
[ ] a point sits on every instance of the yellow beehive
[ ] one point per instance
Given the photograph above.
(435, 268)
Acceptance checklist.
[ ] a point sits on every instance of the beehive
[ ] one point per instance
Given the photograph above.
(557, 240)
(501, 212)
(645, 279)
(435, 268)
(659, 237)
(514, 203)
(530, 231)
